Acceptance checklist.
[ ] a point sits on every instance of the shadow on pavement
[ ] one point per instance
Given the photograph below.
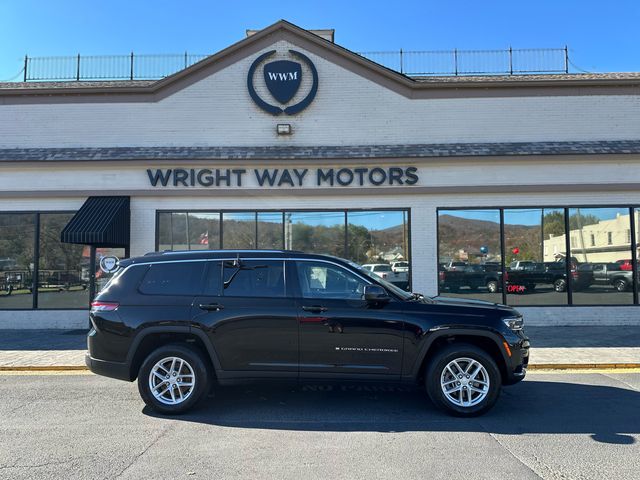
(608, 414)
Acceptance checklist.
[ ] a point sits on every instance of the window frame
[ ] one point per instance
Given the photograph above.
(283, 211)
(565, 208)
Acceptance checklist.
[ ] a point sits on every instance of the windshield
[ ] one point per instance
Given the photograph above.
(389, 286)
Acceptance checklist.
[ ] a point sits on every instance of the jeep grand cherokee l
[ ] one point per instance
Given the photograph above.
(182, 322)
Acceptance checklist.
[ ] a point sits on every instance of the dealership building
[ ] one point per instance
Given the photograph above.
(287, 140)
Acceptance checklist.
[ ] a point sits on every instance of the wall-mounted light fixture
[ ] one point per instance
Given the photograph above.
(283, 129)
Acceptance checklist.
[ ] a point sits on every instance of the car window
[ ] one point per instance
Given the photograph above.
(173, 278)
(254, 278)
(382, 268)
(323, 280)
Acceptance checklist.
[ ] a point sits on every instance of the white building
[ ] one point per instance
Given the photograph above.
(200, 160)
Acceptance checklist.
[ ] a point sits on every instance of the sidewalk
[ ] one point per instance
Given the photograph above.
(551, 347)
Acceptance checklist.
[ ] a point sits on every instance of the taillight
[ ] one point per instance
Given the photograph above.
(506, 276)
(104, 306)
(574, 274)
(441, 276)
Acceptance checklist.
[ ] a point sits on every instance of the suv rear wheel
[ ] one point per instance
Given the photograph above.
(173, 379)
(620, 285)
(463, 380)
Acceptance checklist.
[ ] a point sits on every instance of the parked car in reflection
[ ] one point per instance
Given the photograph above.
(472, 276)
(610, 274)
(400, 267)
(625, 264)
(384, 271)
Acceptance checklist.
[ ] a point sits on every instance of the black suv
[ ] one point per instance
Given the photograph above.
(181, 321)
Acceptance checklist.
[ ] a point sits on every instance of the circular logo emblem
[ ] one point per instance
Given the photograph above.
(283, 79)
(109, 264)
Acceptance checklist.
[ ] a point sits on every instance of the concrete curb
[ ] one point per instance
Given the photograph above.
(539, 366)
(584, 366)
(43, 368)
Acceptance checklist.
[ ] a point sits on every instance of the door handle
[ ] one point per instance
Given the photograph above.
(211, 307)
(315, 308)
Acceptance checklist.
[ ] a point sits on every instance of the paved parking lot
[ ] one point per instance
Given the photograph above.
(556, 426)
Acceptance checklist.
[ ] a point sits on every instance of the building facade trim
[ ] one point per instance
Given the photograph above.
(337, 152)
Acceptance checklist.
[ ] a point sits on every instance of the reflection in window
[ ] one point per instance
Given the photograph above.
(17, 234)
(469, 262)
(315, 232)
(535, 249)
(320, 280)
(255, 278)
(270, 233)
(602, 281)
(380, 238)
(239, 230)
(203, 231)
(102, 277)
(371, 237)
(63, 280)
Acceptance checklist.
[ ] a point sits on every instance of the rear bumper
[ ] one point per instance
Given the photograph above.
(108, 369)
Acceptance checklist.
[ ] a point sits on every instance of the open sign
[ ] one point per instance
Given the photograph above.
(516, 289)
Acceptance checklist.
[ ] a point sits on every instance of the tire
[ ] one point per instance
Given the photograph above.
(620, 285)
(193, 364)
(440, 370)
(560, 285)
(492, 286)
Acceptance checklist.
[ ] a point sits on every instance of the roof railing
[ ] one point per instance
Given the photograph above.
(412, 63)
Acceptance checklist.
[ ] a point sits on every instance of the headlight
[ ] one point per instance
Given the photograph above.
(514, 323)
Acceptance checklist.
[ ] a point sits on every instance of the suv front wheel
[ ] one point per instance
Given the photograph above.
(173, 379)
(463, 380)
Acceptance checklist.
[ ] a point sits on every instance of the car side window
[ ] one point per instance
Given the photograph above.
(254, 278)
(173, 278)
(323, 280)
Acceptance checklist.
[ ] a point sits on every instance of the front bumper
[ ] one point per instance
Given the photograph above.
(518, 360)
(108, 369)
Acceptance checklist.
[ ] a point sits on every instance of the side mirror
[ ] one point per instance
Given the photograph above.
(375, 294)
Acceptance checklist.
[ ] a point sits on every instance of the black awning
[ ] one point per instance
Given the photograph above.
(101, 222)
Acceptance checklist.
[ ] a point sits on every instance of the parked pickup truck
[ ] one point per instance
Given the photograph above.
(521, 280)
(472, 276)
(611, 274)
(549, 273)
(384, 271)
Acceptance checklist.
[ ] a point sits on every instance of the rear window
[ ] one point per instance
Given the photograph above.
(180, 278)
(382, 268)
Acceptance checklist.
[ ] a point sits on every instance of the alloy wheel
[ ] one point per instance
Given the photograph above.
(465, 382)
(171, 380)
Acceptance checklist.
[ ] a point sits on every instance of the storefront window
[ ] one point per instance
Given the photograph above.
(600, 264)
(63, 279)
(17, 235)
(102, 276)
(535, 252)
(270, 232)
(470, 261)
(380, 238)
(239, 230)
(315, 232)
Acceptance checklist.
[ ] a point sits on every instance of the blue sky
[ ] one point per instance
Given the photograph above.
(602, 36)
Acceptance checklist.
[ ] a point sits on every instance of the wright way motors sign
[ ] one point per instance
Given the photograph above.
(285, 177)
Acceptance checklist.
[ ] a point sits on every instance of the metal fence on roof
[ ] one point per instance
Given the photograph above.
(412, 63)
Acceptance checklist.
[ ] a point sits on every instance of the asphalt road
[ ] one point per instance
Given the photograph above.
(557, 426)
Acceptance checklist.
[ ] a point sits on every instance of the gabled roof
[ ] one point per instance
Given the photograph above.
(425, 87)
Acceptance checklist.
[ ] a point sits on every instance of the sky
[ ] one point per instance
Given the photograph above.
(602, 36)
